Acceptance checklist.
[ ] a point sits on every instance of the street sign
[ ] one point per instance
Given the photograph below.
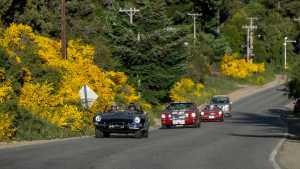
(87, 96)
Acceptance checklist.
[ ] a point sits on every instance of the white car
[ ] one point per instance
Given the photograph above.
(223, 102)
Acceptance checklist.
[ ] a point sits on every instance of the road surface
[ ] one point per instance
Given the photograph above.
(244, 141)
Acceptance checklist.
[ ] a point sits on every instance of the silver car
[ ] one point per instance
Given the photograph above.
(222, 102)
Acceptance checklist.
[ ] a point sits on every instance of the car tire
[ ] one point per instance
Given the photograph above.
(146, 133)
(138, 134)
(165, 126)
(101, 134)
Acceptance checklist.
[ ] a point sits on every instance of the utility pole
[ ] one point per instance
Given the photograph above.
(218, 18)
(194, 15)
(130, 12)
(285, 44)
(63, 30)
(250, 31)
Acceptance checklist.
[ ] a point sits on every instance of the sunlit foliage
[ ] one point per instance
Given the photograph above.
(186, 90)
(58, 101)
(235, 67)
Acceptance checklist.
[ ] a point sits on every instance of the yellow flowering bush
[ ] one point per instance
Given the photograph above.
(186, 90)
(239, 68)
(58, 101)
(14, 38)
(7, 130)
(5, 91)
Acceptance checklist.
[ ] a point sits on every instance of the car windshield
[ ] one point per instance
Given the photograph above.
(180, 106)
(220, 100)
(211, 107)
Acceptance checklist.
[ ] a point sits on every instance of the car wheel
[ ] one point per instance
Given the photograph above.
(138, 134)
(165, 126)
(146, 133)
(101, 134)
(105, 134)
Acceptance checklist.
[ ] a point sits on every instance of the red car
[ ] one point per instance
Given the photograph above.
(212, 113)
(180, 114)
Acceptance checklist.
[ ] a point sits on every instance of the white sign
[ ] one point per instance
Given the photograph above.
(87, 96)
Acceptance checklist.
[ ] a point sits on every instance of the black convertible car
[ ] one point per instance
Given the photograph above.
(132, 121)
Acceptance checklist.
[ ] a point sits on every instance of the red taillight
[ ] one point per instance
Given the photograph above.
(190, 114)
(166, 116)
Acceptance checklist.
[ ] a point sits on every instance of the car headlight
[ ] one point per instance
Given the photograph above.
(220, 112)
(194, 115)
(98, 118)
(137, 120)
(202, 113)
(226, 107)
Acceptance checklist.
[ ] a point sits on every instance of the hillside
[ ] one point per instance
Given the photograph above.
(155, 56)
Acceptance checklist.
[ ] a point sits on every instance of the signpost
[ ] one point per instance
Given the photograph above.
(87, 96)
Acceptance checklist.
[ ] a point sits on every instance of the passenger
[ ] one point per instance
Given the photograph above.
(132, 107)
(113, 108)
(211, 107)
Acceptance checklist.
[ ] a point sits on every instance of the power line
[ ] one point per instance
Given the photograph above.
(63, 30)
(195, 15)
(250, 31)
(130, 12)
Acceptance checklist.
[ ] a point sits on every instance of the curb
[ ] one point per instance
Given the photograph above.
(275, 151)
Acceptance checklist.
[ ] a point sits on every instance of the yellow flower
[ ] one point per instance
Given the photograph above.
(60, 105)
(186, 90)
(7, 130)
(239, 68)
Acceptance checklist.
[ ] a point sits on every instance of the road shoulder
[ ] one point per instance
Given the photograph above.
(289, 153)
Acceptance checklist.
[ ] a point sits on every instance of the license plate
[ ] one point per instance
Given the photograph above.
(178, 122)
(116, 126)
(211, 117)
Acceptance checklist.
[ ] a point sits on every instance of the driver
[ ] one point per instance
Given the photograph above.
(211, 107)
(113, 108)
(132, 107)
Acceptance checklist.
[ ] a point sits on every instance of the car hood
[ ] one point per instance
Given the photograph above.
(177, 111)
(118, 115)
(211, 111)
(222, 104)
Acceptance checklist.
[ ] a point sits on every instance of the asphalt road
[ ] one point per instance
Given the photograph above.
(244, 141)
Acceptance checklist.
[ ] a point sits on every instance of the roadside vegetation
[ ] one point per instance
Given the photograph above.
(39, 89)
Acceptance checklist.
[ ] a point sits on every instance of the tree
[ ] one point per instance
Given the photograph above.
(294, 83)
